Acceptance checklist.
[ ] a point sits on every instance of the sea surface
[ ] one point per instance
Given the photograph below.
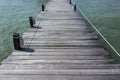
(14, 18)
(105, 15)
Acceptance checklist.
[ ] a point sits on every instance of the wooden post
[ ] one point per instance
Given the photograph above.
(75, 7)
(43, 7)
(70, 2)
(31, 22)
(16, 41)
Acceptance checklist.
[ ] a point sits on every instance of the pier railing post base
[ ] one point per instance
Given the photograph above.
(32, 21)
(43, 7)
(75, 7)
(18, 41)
(70, 2)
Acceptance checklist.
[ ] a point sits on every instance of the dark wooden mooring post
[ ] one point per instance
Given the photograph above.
(70, 2)
(75, 7)
(32, 21)
(17, 41)
(43, 7)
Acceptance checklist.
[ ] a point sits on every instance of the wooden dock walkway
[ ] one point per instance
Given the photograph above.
(61, 48)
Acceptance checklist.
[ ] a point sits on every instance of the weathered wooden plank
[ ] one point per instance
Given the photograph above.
(56, 16)
(61, 72)
(63, 52)
(66, 42)
(58, 53)
(62, 22)
(81, 50)
(59, 62)
(60, 66)
(57, 77)
(64, 39)
(57, 58)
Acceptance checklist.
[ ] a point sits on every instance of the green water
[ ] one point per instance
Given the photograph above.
(105, 15)
(14, 18)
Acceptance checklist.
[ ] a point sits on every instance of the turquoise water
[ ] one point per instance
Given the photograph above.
(105, 15)
(14, 18)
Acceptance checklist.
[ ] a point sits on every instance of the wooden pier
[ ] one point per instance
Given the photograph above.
(60, 47)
